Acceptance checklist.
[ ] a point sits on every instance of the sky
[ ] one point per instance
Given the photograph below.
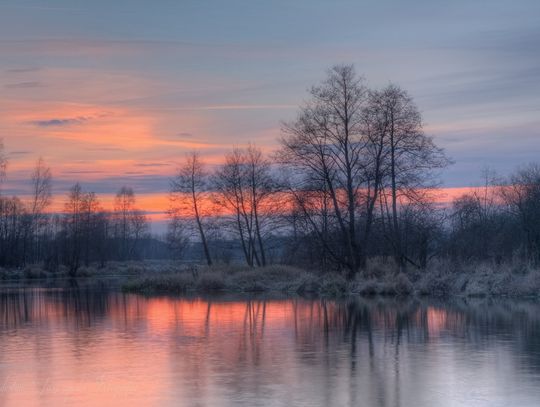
(114, 93)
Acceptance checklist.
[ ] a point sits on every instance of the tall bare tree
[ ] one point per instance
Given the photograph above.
(246, 188)
(410, 160)
(129, 222)
(521, 194)
(326, 143)
(3, 161)
(177, 237)
(262, 193)
(189, 195)
(73, 227)
(231, 183)
(40, 200)
(91, 225)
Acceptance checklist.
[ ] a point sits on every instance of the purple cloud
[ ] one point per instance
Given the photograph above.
(60, 121)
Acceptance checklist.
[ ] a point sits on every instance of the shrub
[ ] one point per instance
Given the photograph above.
(334, 285)
(402, 285)
(437, 284)
(368, 287)
(308, 284)
(210, 281)
(170, 283)
(87, 272)
(34, 272)
(247, 281)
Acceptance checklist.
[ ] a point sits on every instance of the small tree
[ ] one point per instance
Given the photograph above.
(409, 158)
(73, 228)
(245, 188)
(188, 197)
(522, 197)
(40, 201)
(130, 224)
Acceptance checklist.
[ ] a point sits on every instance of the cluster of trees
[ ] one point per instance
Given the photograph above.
(355, 177)
(498, 222)
(241, 198)
(354, 168)
(83, 233)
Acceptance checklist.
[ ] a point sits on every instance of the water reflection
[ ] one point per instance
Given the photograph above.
(87, 346)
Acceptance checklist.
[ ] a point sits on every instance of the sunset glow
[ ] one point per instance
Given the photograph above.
(121, 106)
(269, 203)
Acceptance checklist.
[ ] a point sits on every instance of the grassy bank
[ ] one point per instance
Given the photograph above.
(380, 278)
(237, 279)
(131, 268)
(441, 279)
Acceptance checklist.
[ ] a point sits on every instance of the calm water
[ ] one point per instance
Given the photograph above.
(98, 347)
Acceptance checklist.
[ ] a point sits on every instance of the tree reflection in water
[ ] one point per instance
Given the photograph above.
(260, 351)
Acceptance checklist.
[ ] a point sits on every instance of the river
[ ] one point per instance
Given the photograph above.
(97, 346)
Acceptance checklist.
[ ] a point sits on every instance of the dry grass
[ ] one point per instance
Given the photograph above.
(442, 278)
(277, 278)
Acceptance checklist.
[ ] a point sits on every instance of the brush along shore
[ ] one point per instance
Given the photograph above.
(380, 278)
(441, 279)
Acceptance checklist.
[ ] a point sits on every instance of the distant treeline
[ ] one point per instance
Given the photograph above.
(355, 177)
(84, 233)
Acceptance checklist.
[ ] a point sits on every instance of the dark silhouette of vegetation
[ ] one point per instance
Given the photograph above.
(188, 189)
(352, 186)
(84, 233)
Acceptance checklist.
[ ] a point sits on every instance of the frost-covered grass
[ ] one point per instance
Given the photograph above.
(442, 278)
(222, 278)
(274, 278)
(113, 268)
(484, 279)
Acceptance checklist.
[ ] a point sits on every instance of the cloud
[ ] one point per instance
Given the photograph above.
(142, 183)
(113, 149)
(152, 165)
(22, 70)
(183, 136)
(84, 172)
(21, 152)
(239, 107)
(60, 121)
(23, 85)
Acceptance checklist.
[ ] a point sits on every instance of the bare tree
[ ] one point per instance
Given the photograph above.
(73, 228)
(41, 199)
(124, 203)
(13, 226)
(129, 222)
(84, 233)
(90, 219)
(311, 223)
(263, 196)
(177, 237)
(410, 157)
(189, 195)
(522, 197)
(326, 144)
(233, 193)
(3, 161)
(246, 188)
(41, 187)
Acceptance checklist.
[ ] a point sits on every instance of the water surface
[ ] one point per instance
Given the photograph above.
(100, 347)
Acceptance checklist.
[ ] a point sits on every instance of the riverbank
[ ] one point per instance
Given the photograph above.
(131, 268)
(441, 279)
